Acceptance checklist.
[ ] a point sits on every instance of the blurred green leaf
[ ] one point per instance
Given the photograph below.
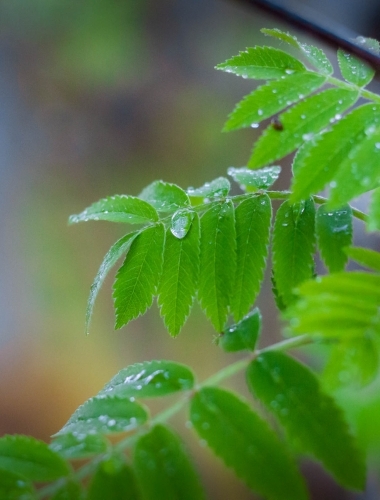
(71, 490)
(334, 233)
(218, 188)
(14, 487)
(311, 418)
(179, 279)
(272, 98)
(78, 444)
(150, 379)
(374, 212)
(293, 247)
(31, 458)
(365, 257)
(246, 444)
(253, 220)
(243, 335)
(163, 468)
(164, 196)
(118, 208)
(137, 279)
(300, 123)
(217, 262)
(252, 180)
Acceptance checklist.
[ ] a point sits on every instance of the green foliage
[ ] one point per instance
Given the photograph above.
(209, 244)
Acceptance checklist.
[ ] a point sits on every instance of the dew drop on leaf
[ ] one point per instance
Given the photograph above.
(181, 222)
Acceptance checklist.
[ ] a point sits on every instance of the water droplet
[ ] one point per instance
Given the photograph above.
(111, 422)
(181, 222)
(254, 125)
(260, 112)
(205, 426)
(289, 71)
(307, 137)
(332, 184)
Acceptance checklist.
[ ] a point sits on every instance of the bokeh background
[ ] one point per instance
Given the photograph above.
(102, 97)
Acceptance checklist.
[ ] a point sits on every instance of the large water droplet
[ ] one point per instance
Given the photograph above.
(181, 222)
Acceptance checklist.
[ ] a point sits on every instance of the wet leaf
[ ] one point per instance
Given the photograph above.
(15, 487)
(164, 196)
(243, 335)
(252, 180)
(354, 70)
(218, 188)
(78, 444)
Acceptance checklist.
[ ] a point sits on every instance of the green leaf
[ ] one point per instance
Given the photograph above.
(31, 458)
(14, 487)
(354, 70)
(179, 278)
(272, 98)
(311, 418)
(374, 212)
(137, 279)
(365, 257)
(300, 123)
(164, 196)
(262, 63)
(78, 445)
(316, 56)
(164, 470)
(253, 219)
(244, 335)
(252, 180)
(118, 208)
(293, 247)
(339, 305)
(336, 148)
(217, 262)
(352, 362)
(105, 414)
(113, 480)
(218, 188)
(334, 232)
(150, 379)
(110, 259)
(181, 222)
(246, 444)
(71, 490)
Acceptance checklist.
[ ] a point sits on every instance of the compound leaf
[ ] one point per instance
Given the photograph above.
(293, 247)
(105, 414)
(252, 180)
(217, 262)
(253, 218)
(179, 278)
(334, 233)
(14, 487)
(113, 480)
(150, 379)
(31, 458)
(354, 70)
(341, 305)
(165, 197)
(118, 208)
(218, 188)
(110, 259)
(365, 257)
(337, 147)
(311, 418)
(78, 445)
(300, 123)
(271, 98)
(137, 279)
(246, 444)
(244, 335)
(164, 470)
(262, 63)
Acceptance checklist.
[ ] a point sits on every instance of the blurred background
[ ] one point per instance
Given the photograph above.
(102, 97)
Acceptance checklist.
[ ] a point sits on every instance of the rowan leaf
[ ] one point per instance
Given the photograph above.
(272, 98)
(137, 279)
(179, 278)
(293, 247)
(78, 444)
(150, 379)
(246, 444)
(110, 259)
(252, 180)
(105, 414)
(218, 188)
(217, 262)
(343, 145)
(243, 335)
(300, 123)
(118, 208)
(262, 63)
(334, 233)
(165, 197)
(113, 480)
(253, 220)
(13, 486)
(311, 418)
(163, 467)
(341, 305)
(365, 257)
(354, 70)
(31, 458)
